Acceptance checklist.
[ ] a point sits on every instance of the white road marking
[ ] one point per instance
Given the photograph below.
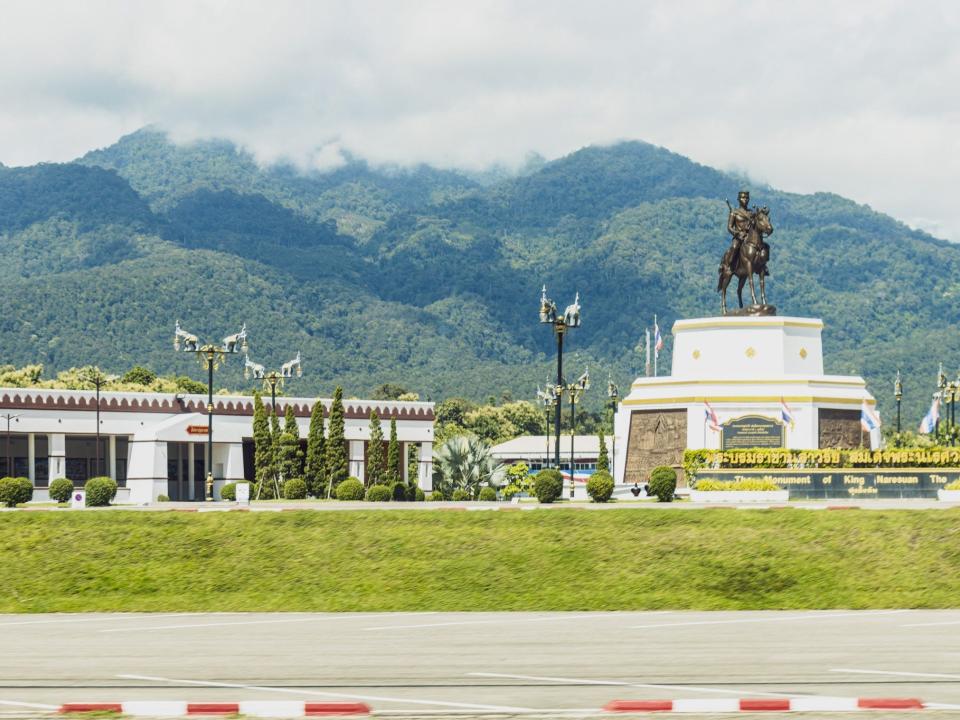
(39, 706)
(105, 618)
(820, 616)
(933, 624)
(318, 693)
(310, 618)
(618, 683)
(507, 621)
(896, 672)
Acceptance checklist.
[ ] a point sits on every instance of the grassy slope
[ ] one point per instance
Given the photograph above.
(556, 560)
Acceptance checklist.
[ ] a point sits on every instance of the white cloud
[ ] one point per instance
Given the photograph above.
(855, 98)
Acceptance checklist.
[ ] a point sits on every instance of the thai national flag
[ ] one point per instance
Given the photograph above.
(929, 423)
(869, 418)
(711, 417)
(657, 338)
(786, 414)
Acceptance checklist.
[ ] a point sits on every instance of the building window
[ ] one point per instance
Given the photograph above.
(41, 460)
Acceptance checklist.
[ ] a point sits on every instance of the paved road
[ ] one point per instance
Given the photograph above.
(478, 663)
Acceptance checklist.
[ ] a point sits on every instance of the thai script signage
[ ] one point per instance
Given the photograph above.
(847, 482)
(752, 431)
(198, 430)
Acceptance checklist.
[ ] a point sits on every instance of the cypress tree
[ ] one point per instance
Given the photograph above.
(275, 453)
(263, 446)
(338, 468)
(315, 470)
(291, 458)
(375, 450)
(393, 455)
(290, 422)
(603, 459)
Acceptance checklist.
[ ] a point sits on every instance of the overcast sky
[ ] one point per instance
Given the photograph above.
(861, 99)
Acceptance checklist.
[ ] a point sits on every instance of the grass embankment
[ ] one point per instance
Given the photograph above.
(556, 560)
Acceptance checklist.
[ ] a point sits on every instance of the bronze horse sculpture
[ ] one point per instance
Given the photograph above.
(750, 259)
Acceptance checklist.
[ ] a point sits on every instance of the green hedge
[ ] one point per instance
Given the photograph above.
(746, 484)
(295, 489)
(379, 493)
(61, 489)
(14, 491)
(548, 485)
(350, 489)
(460, 494)
(600, 486)
(488, 494)
(663, 483)
(436, 496)
(399, 492)
(100, 491)
(229, 491)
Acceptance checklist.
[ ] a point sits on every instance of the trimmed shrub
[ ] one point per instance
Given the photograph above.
(399, 491)
(418, 495)
(14, 491)
(663, 483)
(509, 491)
(488, 494)
(750, 484)
(295, 489)
(412, 489)
(955, 485)
(163, 498)
(548, 485)
(350, 489)
(460, 494)
(61, 489)
(600, 486)
(379, 493)
(436, 496)
(229, 491)
(100, 491)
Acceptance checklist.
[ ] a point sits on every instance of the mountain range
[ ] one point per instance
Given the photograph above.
(431, 278)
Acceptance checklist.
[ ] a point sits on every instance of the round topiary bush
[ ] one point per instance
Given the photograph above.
(350, 489)
(548, 485)
(436, 496)
(411, 490)
(600, 486)
(509, 491)
(399, 491)
(663, 483)
(162, 498)
(229, 491)
(488, 494)
(295, 489)
(60, 490)
(100, 491)
(418, 495)
(14, 491)
(379, 493)
(460, 494)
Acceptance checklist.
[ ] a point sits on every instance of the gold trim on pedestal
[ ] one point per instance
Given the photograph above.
(747, 399)
(761, 322)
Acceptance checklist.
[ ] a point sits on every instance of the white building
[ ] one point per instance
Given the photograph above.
(155, 444)
(534, 450)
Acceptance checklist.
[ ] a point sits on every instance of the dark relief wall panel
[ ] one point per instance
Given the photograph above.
(839, 428)
(657, 437)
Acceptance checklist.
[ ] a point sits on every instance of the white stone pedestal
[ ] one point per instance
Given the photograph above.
(740, 366)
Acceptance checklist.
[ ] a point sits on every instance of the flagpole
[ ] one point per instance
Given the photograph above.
(647, 366)
(656, 352)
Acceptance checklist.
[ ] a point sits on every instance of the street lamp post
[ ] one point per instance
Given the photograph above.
(575, 390)
(898, 394)
(560, 324)
(7, 461)
(211, 356)
(96, 378)
(613, 392)
(274, 378)
(548, 399)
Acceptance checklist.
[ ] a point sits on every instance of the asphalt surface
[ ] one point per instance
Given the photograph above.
(479, 663)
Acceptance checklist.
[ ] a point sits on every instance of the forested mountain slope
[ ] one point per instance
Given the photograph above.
(431, 279)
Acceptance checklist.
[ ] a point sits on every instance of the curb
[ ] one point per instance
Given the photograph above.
(254, 708)
(797, 704)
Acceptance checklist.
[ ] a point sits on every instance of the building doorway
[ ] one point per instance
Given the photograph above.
(185, 475)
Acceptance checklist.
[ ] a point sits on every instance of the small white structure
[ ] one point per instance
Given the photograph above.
(154, 444)
(742, 368)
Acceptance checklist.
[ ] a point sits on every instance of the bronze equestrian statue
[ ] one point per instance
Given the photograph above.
(747, 255)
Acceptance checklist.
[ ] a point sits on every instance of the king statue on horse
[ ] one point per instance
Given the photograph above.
(747, 255)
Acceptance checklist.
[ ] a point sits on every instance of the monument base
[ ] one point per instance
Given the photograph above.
(739, 381)
(753, 311)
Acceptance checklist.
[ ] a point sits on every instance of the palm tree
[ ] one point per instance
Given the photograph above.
(464, 462)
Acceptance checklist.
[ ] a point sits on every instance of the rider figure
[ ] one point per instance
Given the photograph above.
(738, 225)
